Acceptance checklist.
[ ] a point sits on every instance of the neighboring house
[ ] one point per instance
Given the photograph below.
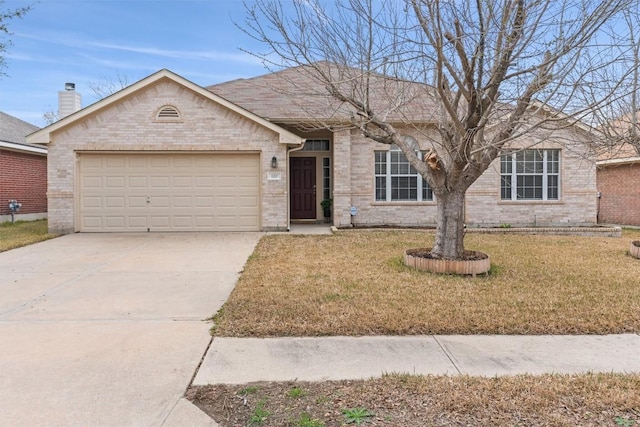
(23, 171)
(165, 154)
(618, 176)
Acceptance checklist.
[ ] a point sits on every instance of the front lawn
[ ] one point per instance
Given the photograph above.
(23, 233)
(354, 283)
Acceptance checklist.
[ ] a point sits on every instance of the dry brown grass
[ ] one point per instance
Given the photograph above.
(354, 283)
(411, 401)
(23, 233)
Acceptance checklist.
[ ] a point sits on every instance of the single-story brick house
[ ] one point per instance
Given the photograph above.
(165, 154)
(23, 171)
(618, 175)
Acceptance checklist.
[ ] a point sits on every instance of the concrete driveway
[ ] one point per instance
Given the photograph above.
(107, 329)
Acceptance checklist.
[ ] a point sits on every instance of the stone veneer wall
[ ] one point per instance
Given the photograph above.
(130, 125)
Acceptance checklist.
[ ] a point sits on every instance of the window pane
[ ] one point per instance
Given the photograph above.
(381, 188)
(506, 163)
(404, 188)
(427, 192)
(326, 178)
(505, 188)
(381, 162)
(552, 187)
(399, 163)
(316, 145)
(530, 187)
(553, 161)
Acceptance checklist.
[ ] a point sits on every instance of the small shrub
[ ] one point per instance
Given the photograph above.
(296, 393)
(259, 415)
(357, 416)
(305, 420)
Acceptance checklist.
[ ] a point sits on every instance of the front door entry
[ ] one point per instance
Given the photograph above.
(303, 187)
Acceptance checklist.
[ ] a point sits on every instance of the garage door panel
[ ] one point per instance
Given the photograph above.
(205, 221)
(138, 182)
(92, 202)
(136, 202)
(182, 201)
(115, 202)
(114, 162)
(136, 221)
(204, 202)
(115, 221)
(205, 182)
(93, 222)
(92, 182)
(159, 202)
(182, 181)
(248, 202)
(115, 182)
(160, 161)
(159, 182)
(164, 192)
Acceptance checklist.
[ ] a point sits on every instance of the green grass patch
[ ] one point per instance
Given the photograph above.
(23, 233)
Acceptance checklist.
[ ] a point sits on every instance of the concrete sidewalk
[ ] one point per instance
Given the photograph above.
(243, 360)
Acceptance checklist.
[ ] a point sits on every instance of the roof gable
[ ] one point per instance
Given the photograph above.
(43, 136)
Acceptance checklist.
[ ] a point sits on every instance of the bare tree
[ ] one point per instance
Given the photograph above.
(619, 121)
(108, 86)
(481, 73)
(5, 16)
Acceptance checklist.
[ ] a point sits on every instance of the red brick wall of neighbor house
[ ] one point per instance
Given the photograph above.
(620, 190)
(23, 177)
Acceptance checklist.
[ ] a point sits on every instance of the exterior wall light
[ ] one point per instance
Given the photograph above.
(274, 162)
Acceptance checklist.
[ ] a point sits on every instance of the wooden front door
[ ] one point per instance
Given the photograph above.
(303, 187)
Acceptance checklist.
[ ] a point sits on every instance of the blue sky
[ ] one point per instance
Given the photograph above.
(93, 41)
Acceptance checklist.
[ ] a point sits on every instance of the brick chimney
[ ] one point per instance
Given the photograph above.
(69, 101)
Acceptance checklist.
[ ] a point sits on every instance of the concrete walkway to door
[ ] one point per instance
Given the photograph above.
(107, 329)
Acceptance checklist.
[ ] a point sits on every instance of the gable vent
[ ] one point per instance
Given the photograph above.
(168, 112)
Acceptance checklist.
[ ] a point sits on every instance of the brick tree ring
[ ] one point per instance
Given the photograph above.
(634, 251)
(476, 262)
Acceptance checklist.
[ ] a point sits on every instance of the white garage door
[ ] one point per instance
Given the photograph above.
(168, 192)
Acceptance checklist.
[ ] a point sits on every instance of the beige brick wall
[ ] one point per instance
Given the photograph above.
(130, 125)
(577, 205)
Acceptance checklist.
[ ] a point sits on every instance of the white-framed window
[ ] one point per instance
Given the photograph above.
(530, 175)
(316, 145)
(326, 178)
(396, 179)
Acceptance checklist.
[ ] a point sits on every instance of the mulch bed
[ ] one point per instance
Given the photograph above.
(402, 400)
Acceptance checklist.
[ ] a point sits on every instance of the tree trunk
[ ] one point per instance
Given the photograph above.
(449, 242)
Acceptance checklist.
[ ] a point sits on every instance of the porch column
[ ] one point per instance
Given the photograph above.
(342, 178)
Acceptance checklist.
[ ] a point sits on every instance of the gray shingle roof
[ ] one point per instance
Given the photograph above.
(13, 130)
(296, 95)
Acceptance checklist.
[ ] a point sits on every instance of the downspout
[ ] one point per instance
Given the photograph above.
(290, 150)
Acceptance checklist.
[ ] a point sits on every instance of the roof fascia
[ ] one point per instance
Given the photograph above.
(21, 147)
(612, 162)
